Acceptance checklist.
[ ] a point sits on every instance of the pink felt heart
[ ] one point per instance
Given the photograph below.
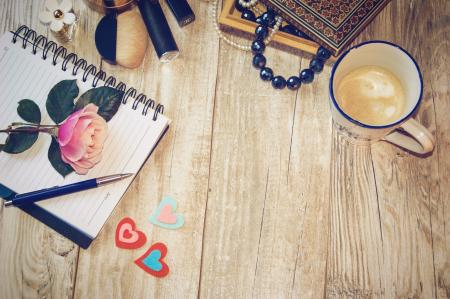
(167, 215)
(127, 236)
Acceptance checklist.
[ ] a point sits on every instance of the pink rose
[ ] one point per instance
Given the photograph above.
(81, 137)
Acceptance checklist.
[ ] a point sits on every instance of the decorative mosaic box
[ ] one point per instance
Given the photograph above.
(332, 23)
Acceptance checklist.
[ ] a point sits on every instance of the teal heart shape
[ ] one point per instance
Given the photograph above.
(171, 202)
(152, 260)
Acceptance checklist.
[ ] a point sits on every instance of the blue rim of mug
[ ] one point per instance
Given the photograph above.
(348, 117)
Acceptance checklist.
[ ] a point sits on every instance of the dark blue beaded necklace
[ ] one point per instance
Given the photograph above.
(306, 76)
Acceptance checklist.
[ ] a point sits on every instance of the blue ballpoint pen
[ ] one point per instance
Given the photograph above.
(31, 197)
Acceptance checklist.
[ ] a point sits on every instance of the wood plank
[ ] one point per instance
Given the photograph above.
(292, 251)
(355, 254)
(179, 167)
(407, 183)
(438, 31)
(405, 217)
(15, 13)
(261, 198)
(38, 262)
(281, 219)
(355, 247)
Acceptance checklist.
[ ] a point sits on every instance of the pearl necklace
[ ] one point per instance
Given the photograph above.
(263, 36)
(250, 4)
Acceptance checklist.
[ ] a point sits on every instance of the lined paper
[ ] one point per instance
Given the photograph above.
(131, 138)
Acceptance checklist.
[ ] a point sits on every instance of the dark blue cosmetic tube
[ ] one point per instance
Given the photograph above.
(158, 30)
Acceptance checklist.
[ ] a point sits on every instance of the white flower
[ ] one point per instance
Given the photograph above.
(57, 14)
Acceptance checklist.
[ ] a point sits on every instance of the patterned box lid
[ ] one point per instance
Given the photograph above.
(332, 23)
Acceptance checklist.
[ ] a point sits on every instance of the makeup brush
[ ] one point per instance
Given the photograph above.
(122, 39)
(131, 39)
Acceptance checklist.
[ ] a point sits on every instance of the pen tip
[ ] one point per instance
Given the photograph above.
(126, 175)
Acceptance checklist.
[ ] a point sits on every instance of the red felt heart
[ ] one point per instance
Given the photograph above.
(146, 262)
(127, 236)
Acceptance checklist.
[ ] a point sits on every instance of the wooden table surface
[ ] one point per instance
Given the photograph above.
(276, 204)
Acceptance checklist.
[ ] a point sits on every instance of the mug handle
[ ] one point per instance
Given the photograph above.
(420, 141)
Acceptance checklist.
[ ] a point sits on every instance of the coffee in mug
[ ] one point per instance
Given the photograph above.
(375, 89)
(372, 95)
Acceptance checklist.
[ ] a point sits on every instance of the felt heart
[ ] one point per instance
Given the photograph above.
(165, 215)
(127, 236)
(152, 261)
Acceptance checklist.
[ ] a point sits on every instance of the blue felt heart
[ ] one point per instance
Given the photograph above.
(152, 260)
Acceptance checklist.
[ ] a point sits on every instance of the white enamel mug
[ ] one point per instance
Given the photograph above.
(395, 59)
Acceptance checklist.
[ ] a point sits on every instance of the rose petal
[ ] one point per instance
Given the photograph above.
(69, 18)
(76, 149)
(88, 115)
(101, 130)
(84, 147)
(46, 17)
(66, 5)
(65, 130)
(65, 159)
(73, 152)
(96, 158)
(86, 138)
(93, 151)
(84, 163)
(91, 108)
(98, 139)
(51, 5)
(78, 169)
(56, 25)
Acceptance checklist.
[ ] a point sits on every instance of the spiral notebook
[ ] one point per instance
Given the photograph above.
(30, 66)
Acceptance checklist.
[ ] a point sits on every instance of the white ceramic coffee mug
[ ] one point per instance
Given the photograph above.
(395, 59)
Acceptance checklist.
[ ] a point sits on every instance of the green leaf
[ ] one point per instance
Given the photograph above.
(106, 98)
(60, 100)
(17, 143)
(29, 111)
(54, 156)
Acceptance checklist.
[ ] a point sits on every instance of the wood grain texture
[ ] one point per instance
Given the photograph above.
(277, 203)
(354, 266)
(262, 194)
(246, 162)
(179, 167)
(406, 183)
(438, 77)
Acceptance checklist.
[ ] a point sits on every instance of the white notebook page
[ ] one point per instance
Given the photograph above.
(131, 137)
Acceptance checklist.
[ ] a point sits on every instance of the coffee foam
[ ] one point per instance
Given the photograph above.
(371, 95)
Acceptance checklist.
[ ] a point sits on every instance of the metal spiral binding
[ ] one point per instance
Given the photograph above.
(30, 36)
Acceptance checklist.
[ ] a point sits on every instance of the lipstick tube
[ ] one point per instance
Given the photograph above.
(158, 30)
